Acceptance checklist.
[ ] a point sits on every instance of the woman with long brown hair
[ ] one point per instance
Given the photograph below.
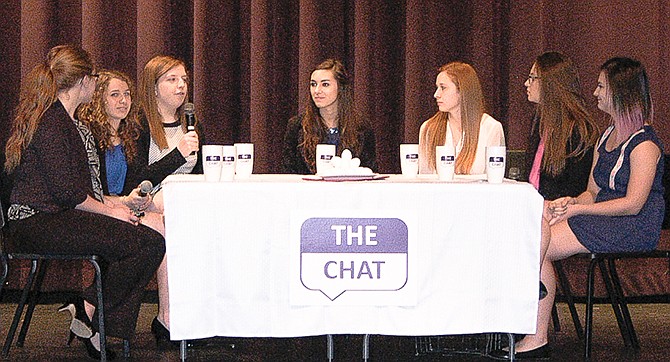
(330, 117)
(563, 134)
(460, 122)
(57, 203)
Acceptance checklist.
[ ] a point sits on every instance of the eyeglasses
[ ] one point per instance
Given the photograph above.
(532, 78)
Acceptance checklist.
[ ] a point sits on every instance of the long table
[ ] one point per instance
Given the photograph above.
(280, 256)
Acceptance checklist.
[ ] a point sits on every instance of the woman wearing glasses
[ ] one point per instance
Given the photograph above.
(561, 144)
(57, 203)
(460, 122)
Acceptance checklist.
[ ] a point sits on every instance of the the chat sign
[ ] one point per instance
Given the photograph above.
(353, 254)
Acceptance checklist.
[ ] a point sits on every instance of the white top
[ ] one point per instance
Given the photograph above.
(490, 134)
(173, 134)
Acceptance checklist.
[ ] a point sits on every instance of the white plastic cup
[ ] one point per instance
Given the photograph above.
(496, 157)
(244, 160)
(409, 159)
(324, 156)
(228, 163)
(211, 165)
(445, 160)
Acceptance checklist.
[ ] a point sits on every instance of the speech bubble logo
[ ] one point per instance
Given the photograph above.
(353, 254)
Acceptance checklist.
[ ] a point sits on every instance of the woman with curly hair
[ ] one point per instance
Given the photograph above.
(460, 122)
(329, 118)
(112, 117)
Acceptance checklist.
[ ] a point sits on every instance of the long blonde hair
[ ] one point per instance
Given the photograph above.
(64, 67)
(467, 83)
(153, 70)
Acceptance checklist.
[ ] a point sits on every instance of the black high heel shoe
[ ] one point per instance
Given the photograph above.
(540, 353)
(93, 349)
(162, 336)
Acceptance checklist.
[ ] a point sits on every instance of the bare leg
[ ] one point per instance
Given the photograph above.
(163, 294)
(90, 310)
(562, 243)
(157, 204)
(155, 221)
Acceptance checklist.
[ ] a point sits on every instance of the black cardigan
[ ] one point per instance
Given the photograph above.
(575, 176)
(293, 161)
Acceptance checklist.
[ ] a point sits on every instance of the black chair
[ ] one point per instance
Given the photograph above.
(39, 263)
(606, 262)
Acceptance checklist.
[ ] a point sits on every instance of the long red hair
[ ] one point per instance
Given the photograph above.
(467, 83)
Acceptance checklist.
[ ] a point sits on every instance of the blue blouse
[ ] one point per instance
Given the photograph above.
(117, 166)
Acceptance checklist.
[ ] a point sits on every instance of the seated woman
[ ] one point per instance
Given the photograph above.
(164, 147)
(57, 205)
(563, 133)
(112, 118)
(622, 208)
(460, 122)
(329, 118)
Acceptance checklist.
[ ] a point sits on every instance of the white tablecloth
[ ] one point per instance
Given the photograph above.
(234, 257)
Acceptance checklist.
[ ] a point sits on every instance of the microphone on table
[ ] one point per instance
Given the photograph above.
(189, 109)
(145, 188)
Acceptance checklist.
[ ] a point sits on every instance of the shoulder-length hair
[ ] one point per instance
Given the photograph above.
(349, 121)
(628, 86)
(95, 116)
(64, 67)
(153, 70)
(562, 112)
(467, 83)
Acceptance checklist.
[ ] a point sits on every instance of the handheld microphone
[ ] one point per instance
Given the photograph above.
(145, 188)
(189, 108)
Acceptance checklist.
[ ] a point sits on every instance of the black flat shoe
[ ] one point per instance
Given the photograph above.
(539, 353)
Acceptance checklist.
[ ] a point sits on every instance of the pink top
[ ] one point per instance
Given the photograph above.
(534, 177)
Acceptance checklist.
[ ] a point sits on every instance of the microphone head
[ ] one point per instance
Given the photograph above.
(145, 187)
(189, 108)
